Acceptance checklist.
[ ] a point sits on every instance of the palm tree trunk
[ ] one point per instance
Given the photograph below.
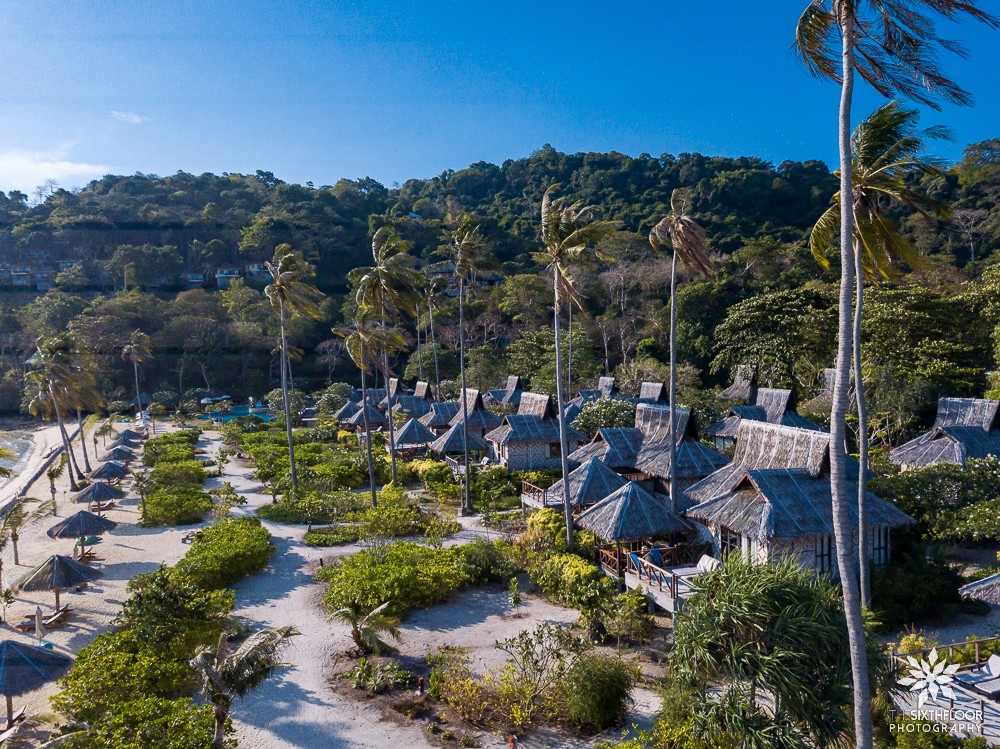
(65, 440)
(564, 459)
(434, 348)
(420, 359)
(83, 440)
(467, 502)
(838, 429)
(135, 368)
(13, 543)
(569, 358)
(673, 382)
(219, 739)
(368, 429)
(388, 410)
(285, 399)
(859, 392)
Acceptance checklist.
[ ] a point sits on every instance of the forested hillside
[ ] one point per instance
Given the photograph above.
(112, 258)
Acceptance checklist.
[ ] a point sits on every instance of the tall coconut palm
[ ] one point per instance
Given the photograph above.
(50, 380)
(290, 293)
(227, 674)
(388, 287)
(467, 247)
(569, 233)
(18, 517)
(690, 245)
(894, 47)
(365, 341)
(432, 295)
(52, 474)
(137, 350)
(887, 150)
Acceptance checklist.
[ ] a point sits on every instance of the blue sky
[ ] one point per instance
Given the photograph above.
(315, 91)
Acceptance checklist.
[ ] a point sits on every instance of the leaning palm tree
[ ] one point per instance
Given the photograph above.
(290, 294)
(467, 248)
(388, 287)
(894, 47)
(887, 150)
(690, 244)
(106, 429)
(137, 350)
(227, 674)
(432, 297)
(18, 517)
(569, 232)
(369, 626)
(51, 384)
(52, 474)
(365, 340)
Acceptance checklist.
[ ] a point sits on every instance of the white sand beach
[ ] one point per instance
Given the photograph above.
(43, 441)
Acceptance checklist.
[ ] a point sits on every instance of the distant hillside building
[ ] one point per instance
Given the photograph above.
(963, 428)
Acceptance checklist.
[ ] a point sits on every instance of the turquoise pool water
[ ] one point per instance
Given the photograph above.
(236, 413)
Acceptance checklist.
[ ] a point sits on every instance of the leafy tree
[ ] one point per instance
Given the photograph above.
(368, 627)
(604, 413)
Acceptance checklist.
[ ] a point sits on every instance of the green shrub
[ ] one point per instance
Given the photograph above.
(226, 552)
(179, 473)
(404, 573)
(629, 618)
(148, 721)
(333, 535)
(597, 691)
(573, 581)
(487, 561)
(378, 679)
(180, 505)
(170, 447)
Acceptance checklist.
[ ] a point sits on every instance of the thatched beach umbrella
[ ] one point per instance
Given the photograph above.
(57, 573)
(98, 492)
(81, 525)
(124, 442)
(120, 454)
(24, 668)
(110, 471)
(129, 434)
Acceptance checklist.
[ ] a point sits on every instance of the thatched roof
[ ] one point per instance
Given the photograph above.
(125, 442)
(479, 418)
(24, 668)
(440, 414)
(760, 445)
(607, 386)
(110, 470)
(375, 395)
(536, 404)
(98, 492)
(346, 411)
(452, 442)
(123, 454)
(653, 392)
(986, 590)
(823, 400)
(616, 447)
(787, 503)
(773, 405)
(535, 421)
(57, 571)
(510, 395)
(589, 484)
(81, 524)
(413, 434)
(411, 404)
(375, 418)
(744, 387)
(395, 387)
(630, 514)
(424, 390)
(964, 428)
(131, 434)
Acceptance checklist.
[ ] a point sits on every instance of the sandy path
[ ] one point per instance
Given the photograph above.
(43, 442)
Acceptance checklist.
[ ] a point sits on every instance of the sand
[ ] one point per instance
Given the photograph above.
(43, 441)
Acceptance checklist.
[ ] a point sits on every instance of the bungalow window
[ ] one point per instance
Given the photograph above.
(730, 540)
(553, 451)
(824, 553)
(880, 546)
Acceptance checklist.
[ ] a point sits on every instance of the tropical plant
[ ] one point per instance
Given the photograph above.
(369, 626)
(887, 153)
(690, 244)
(52, 473)
(290, 293)
(227, 674)
(569, 233)
(386, 288)
(894, 47)
(137, 350)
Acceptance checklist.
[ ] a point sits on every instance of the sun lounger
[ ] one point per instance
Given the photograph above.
(655, 558)
(16, 718)
(64, 607)
(980, 678)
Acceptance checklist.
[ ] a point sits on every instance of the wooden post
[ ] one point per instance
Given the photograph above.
(10, 710)
(57, 598)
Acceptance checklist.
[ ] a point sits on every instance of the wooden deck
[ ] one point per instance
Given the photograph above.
(668, 586)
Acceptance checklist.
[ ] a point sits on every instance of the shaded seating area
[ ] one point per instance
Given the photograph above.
(120, 454)
(112, 471)
(57, 573)
(82, 525)
(24, 668)
(412, 439)
(99, 496)
(984, 680)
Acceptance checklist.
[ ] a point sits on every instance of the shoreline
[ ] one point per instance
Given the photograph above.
(45, 444)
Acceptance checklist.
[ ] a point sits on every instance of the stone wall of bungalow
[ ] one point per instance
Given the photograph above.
(817, 553)
(529, 456)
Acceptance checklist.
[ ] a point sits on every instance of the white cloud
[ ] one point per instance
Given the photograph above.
(130, 117)
(26, 170)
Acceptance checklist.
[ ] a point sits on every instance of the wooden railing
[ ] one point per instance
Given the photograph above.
(951, 647)
(654, 575)
(538, 494)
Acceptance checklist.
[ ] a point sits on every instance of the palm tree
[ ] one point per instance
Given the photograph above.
(227, 674)
(569, 232)
(142, 482)
(290, 294)
(467, 248)
(894, 47)
(368, 626)
(105, 429)
(138, 350)
(364, 340)
(50, 379)
(52, 474)
(432, 295)
(886, 151)
(18, 517)
(9, 456)
(387, 287)
(690, 244)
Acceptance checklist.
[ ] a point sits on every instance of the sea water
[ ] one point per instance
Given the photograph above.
(19, 443)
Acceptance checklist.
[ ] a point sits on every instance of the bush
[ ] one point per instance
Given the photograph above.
(487, 561)
(180, 505)
(546, 535)
(226, 552)
(177, 474)
(170, 447)
(573, 581)
(148, 721)
(404, 573)
(376, 679)
(597, 691)
(333, 535)
(629, 618)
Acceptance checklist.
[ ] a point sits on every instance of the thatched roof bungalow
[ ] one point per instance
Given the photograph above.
(411, 405)
(964, 428)
(653, 392)
(413, 437)
(438, 418)
(529, 439)
(744, 387)
(481, 421)
(423, 390)
(588, 485)
(632, 514)
(346, 411)
(772, 405)
(375, 418)
(510, 395)
(452, 442)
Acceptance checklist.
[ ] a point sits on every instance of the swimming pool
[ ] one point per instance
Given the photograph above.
(237, 412)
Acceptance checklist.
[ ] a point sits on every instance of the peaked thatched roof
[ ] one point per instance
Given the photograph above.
(346, 411)
(607, 386)
(823, 400)
(760, 445)
(744, 387)
(589, 484)
(395, 386)
(630, 514)
(653, 392)
(375, 418)
(110, 470)
(787, 503)
(968, 412)
(535, 421)
(57, 571)
(440, 414)
(424, 390)
(963, 428)
(24, 667)
(773, 405)
(98, 492)
(411, 404)
(510, 395)
(452, 442)
(986, 590)
(413, 434)
(81, 524)
(131, 434)
(123, 454)
(375, 395)
(536, 404)
(479, 418)
(616, 447)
